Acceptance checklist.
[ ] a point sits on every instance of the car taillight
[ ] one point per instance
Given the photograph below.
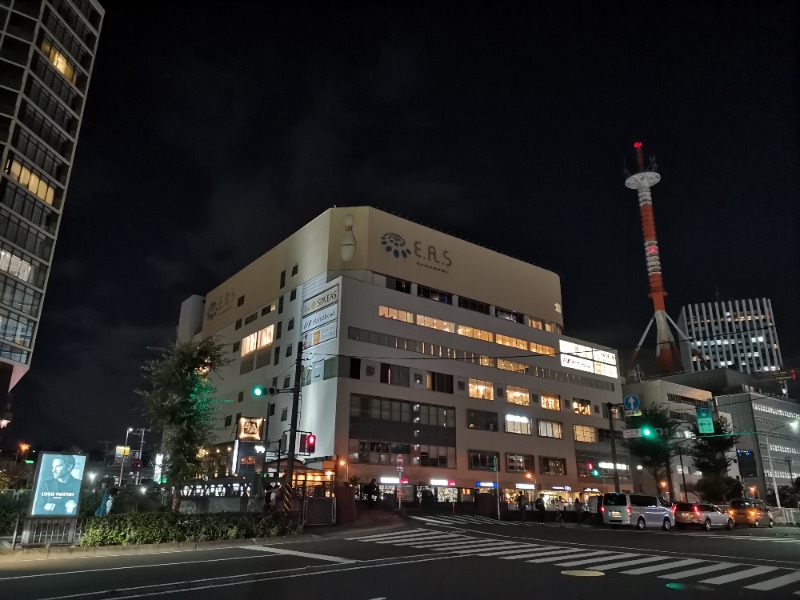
(629, 511)
(696, 509)
(602, 509)
(674, 508)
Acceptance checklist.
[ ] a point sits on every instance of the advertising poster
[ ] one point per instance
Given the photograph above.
(57, 488)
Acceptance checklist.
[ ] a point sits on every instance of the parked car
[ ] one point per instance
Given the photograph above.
(701, 514)
(754, 513)
(639, 510)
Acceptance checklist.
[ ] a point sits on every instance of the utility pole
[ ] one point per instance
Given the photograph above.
(610, 406)
(141, 431)
(287, 487)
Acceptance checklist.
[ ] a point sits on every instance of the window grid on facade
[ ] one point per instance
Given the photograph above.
(481, 389)
(549, 465)
(585, 433)
(550, 402)
(519, 424)
(518, 395)
(519, 463)
(550, 429)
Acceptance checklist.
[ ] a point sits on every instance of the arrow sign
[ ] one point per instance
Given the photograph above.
(631, 402)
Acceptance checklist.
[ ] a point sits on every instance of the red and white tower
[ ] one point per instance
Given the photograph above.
(642, 181)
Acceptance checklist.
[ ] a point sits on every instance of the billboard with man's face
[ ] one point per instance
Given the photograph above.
(57, 487)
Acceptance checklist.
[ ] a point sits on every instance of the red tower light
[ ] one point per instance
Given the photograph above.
(637, 144)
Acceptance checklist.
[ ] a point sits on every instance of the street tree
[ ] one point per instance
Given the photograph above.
(181, 401)
(654, 450)
(711, 458)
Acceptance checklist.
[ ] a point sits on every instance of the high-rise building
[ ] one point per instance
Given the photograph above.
(420, 350)
(735, 334)
(47, 50)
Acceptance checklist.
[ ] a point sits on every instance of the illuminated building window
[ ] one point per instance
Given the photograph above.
(59, 61)
(395, 313)
(550, 402)
(483, 460)
(511, 341)
(478, 334)
(584, 433)
(510, 365)
(536, 323)
(582, 407)
(27, 178)
(14, 265)
(550, 429)
(518, 395)
(481, 389)
(434, 323)
(519, 424)
(519, 463)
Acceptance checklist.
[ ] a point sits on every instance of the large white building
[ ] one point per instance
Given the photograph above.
(737, 334)
(418, 348)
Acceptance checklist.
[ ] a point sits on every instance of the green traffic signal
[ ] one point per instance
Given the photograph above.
(258, 391)
(595, 473)
(647, 432)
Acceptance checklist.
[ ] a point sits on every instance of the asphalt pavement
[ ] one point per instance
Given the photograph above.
(431, 556)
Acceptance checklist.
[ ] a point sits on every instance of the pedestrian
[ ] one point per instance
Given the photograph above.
(522, 504)
(372, 493)
(560, 508)
(579, 511)
(541, 507)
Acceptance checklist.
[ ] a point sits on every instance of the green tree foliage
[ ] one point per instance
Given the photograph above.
(181, 402)
(653, 453)
(718, 488)
(709, 451)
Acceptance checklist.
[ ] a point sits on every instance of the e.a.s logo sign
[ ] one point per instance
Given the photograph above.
(427, 256)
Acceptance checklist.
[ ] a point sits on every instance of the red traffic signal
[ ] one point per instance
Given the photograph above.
(311, 443)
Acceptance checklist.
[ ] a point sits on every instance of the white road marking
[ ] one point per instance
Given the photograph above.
(325, 557)
(584, 561)
(562, 555)
(627, 563)
(700, 571)
(777, 582)
(739, 575)
(664, 567)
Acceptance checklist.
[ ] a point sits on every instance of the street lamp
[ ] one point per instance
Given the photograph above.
(122, 458)
(769, 454)
(91, 480)
(346, 465)
(23, 447)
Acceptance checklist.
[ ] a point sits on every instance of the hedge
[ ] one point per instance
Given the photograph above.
(154, 528)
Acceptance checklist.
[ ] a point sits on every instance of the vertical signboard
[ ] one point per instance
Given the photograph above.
(57, 487)
(705, 418)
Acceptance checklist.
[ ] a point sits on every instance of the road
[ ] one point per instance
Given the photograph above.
(438, 557)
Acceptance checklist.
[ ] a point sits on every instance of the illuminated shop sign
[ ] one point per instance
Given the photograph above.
(608, 465)
(563, 488)
(587, 359)
(326, 298)
(251, 429)
(317, 336)
(486, 484)
(526, 486)
(319, 318)
(591, 490)
(442, 482)
(390, 480)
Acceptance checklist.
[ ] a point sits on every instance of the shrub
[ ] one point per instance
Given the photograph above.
(154, 528)
(10, 507)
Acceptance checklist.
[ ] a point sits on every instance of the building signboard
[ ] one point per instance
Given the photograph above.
(320, 301)
(319, 318)
(250, 429)
(587, 359)
(57, 485)
(705, 418)
(317, 336)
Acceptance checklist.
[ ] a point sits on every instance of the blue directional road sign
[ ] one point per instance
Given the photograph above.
(631, 402)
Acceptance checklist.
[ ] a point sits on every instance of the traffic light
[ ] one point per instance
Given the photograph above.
(647, 432)
(651, 433)
(259, 391)
(311, 443)
(593, 470)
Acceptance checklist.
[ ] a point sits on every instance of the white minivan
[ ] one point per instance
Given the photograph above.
(639, 510)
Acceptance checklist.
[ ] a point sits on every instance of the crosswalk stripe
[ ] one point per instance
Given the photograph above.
(445, 543)
(584, 561)
(700, 570)
(664, 567)
(431, 535)
(531, 553)
(740, 575)
(777, 582)
(416, 540)
(479, 550)
(562, 555)
(526, 549)
(626, 563)
(394, 534)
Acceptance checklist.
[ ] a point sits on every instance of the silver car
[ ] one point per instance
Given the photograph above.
(701, 514)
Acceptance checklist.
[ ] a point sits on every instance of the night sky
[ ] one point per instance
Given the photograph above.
(213, 131)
